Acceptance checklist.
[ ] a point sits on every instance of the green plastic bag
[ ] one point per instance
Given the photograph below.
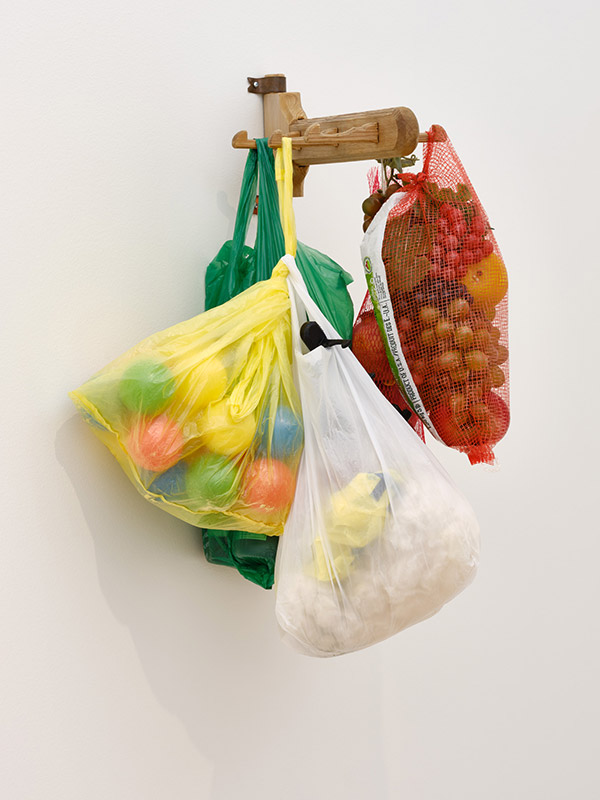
(238, 266)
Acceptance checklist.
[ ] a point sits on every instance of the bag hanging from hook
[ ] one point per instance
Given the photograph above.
(378, 537)
(236, 267)
(435, 321)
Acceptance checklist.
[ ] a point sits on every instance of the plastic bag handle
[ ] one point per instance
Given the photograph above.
(259, 176)
(269, 245)
(245, 207)
(284, 174)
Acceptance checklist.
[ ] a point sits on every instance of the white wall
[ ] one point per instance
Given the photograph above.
(131, 668)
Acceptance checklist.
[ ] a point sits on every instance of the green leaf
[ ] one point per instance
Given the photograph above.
(433, 190)
(463, 193)
(447, 196)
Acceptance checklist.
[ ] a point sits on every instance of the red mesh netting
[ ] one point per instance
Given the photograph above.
(368, 347)
(448, 289)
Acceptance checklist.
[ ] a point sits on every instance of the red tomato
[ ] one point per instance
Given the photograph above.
(468, 257)
(459, 228)
(487, 247)
(492, 428)
(478, 226)
(472, 242)
(452, 258)
(452, 434)
(367, 345)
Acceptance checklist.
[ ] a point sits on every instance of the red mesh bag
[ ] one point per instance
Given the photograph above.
(436, 314)
(368, 345)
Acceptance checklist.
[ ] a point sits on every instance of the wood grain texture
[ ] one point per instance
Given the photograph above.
(398, 132)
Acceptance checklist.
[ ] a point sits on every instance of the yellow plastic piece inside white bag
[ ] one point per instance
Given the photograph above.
(358, 511)
(331, 562)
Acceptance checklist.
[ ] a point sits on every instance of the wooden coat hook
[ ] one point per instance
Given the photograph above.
(364, 136)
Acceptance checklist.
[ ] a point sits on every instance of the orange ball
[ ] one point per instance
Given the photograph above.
(269, 486)
(155, 443)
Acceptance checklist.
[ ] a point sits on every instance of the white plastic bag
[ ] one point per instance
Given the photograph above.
(378, 537)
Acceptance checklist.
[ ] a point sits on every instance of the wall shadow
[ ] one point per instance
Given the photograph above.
(272, 723)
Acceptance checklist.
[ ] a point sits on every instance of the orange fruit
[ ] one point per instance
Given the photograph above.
(487, 281)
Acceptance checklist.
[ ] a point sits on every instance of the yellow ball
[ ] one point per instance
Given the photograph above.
(198, 387)
(222, 434)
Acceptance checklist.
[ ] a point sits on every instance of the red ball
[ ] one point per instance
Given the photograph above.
(155, 443)
(269, 486)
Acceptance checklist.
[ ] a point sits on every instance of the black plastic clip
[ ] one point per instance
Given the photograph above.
(313, 336)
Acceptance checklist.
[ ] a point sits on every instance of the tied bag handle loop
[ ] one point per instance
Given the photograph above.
(318, 331)
(259, 176)
(245, 205)
(284, 176)
(269, 245)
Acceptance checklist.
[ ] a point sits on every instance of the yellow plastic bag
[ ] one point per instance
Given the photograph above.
(204, 417)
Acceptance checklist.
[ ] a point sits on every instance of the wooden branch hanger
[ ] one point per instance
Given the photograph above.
(364, 136)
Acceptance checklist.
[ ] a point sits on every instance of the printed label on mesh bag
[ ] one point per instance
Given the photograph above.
(384, 314)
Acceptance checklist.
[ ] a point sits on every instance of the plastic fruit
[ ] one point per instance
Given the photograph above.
(458, 407)
(268, 487)
(449, 360)
(444, 329)
(428, 337)
(463, 336)
(477, 226)
(212, 481)
(200, 386)
(481, 338)
(372, 204)
(285, 439)
(497, 376)
(146, 386)
(493, 425)
(487, 281)
(451, 432)
(476, 360)
(459, 308)
(501, 354)
(367, 345)
(155, 443)
(429, 315)
(224, 435)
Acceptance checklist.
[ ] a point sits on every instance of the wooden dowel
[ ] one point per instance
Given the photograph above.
(439, 135)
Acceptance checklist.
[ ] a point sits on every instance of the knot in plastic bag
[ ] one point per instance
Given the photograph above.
(280, 270)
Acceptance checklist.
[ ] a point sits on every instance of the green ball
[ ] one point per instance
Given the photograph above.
(211, 481)
(146, 386)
